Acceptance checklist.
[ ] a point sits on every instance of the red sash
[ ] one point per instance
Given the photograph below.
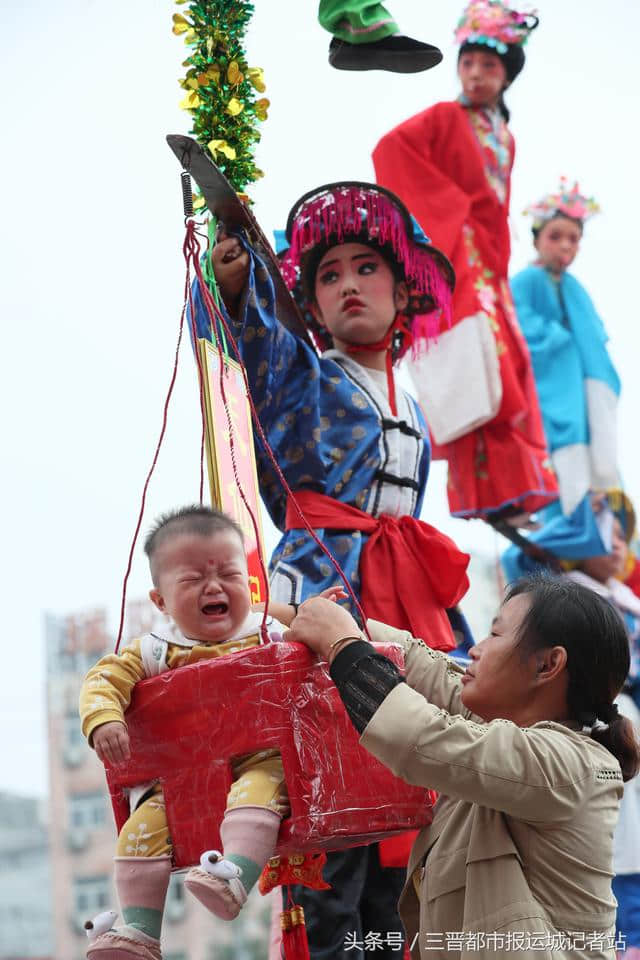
(409, 571)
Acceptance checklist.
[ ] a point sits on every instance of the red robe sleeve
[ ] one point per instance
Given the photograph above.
(408, 160)
(436, 166)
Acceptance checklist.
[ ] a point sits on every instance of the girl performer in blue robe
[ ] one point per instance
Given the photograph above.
(577, 384)
(354, 448)
(352, 445)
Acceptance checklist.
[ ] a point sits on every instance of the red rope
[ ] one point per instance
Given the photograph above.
(191, 250)
(214, 313)
(217, 341)
(265, 576)
(174, 373)
(386, 344)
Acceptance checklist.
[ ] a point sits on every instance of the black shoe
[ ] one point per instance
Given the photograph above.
(397, 54)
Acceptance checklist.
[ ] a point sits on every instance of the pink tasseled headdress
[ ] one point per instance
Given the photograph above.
(353, 211)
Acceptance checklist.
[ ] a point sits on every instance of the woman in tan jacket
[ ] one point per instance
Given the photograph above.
(529, 754)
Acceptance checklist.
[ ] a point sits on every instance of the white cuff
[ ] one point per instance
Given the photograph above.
(573, 470)
(602, 404)
(458, 379)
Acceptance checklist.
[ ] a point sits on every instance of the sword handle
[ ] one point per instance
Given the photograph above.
(187, 194)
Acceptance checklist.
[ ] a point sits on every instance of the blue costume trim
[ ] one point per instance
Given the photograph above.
(568, 538)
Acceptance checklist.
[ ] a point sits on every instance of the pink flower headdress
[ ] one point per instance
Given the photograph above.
(494, 24)
(568, 201)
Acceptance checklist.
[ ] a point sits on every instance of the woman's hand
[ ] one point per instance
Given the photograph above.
(319, 623)
(231, 268)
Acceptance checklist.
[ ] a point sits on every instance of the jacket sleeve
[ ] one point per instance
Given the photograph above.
(430, 673)
(282, 370)
(106, 691)
(285, 378)
(543, 336)
(539, 774)
(419, 161)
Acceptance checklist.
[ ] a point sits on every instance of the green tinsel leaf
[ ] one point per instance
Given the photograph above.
(217, 41)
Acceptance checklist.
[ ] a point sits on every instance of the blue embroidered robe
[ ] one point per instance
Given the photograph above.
(331, 429)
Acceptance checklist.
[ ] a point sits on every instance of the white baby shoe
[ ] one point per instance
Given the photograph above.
(216, 884)
(100, 924)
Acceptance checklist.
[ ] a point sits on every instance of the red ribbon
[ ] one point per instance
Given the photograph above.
(399, 323)
(409, 571)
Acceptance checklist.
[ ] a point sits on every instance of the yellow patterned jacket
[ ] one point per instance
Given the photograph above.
(106, 690)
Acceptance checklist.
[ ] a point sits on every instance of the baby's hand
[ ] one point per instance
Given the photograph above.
(334, 593)
(231, 267)
(111, 742)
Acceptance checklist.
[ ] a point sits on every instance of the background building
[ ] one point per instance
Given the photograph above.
(25, 903)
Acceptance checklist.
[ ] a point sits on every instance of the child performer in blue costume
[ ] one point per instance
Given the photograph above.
(353, 447)
(577, 384)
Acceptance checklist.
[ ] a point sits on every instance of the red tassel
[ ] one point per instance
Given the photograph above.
(384, 344)
(295, 945)
(390, 383)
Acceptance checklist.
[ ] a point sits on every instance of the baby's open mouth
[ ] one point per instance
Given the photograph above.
(212, 609)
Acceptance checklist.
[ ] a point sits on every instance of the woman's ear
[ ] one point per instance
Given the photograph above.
(550, 663)
(401, 296)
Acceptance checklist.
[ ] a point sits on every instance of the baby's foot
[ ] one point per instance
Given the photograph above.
(216, 884)
(123, 943)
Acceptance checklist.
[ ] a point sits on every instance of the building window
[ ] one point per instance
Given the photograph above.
(75, 748)
(87, 811)
(72, 731)
(175, 905)
(176, 890)
(91, 895)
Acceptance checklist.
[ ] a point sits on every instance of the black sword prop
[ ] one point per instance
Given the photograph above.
(227, 207)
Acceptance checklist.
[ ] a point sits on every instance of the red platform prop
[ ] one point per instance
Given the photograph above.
(187, 725)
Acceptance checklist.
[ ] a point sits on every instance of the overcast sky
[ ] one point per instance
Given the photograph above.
(93, 272)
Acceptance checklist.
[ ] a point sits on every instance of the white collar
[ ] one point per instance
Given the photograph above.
(250, 626)
(375, 381)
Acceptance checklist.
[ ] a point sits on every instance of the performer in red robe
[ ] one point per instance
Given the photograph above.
(451, 164)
